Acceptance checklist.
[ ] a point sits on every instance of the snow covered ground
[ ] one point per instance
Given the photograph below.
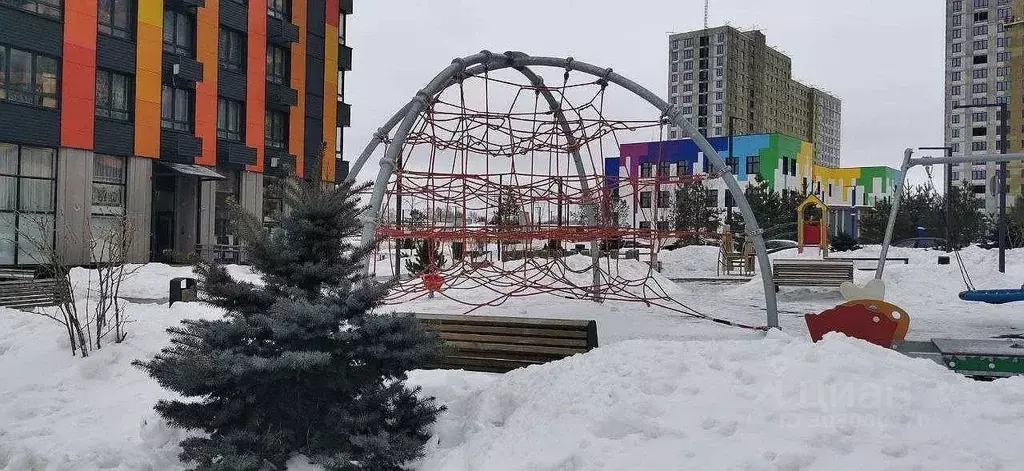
(663, 392)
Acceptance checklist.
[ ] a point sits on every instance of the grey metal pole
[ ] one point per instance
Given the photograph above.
(398, 221)
(1003, 118)
(892, 213)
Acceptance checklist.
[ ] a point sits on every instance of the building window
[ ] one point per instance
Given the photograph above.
(955, 90)
(645, 199)
(229, 119)
(711, 198)
(231, 50)
(981, 4)
(27, 196)
(718, 95)
(1002, 56)
(979, 88)
(979, 73)
(979, 116)
(980, 59)
(645, 170)
(687, 77)
(957, 47)
(664, 199)
(645, 225)
(979, 145)
(732, 163)
(115, 18)
(730, 202)
(276, 65)
(106, 223)
(113, 95)
(956, 33)
(792, 165)
(28, 78)
(753, 165)
(958, 20)
(955, 133)
(980, 30)
(1001, 86)
(674, 78)
(979, 44)
(275, 134)
(177, 108)
(682, 169)
(956, 62)
(664, 169)
(978, 174)
(687, 42)
(179, 33)
(48, 8)
(688, 54)
(675, 44)
(279, 9)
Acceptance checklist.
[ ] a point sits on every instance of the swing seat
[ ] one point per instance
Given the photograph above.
(993, 296)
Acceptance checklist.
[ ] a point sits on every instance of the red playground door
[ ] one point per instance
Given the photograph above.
(812, 233)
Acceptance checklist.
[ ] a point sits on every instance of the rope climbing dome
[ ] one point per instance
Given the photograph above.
(497, 169)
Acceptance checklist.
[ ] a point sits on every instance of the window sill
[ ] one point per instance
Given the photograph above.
(130, 39)
(27, 105)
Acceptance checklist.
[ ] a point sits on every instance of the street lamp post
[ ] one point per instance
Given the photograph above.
(732, 119)
(1001, 180)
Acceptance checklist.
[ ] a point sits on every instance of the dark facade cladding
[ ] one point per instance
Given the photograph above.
(154, 115)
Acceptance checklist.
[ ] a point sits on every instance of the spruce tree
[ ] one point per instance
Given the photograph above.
(428, 257)
(299, 364)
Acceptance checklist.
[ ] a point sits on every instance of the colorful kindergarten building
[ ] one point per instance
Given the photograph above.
(646, 175)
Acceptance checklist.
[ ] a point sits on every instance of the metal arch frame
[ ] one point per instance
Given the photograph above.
(485, 61)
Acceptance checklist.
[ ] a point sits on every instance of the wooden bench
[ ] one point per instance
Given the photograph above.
(501, 344)
(798, 272)
(905, 260)
(26, 294)
(17, 274)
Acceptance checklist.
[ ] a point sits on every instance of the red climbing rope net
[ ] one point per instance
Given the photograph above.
(501, 192)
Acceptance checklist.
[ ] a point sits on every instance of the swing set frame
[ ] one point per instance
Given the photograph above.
(910, 161)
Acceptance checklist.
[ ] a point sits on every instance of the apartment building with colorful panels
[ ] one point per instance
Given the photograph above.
(646, 175)
(161, 112)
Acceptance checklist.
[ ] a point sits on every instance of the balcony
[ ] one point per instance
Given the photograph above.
(280, 97)
(344, 57)
(344, 114)
(185, 3)
(177, 67)
(281, 33)
(232, 154)
(179, 147)
(279, 162)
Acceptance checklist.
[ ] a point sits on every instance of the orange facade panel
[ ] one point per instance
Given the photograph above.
(256, 82)
(207, 38)
(78, 89)
(297, 117)
(330, 94)
(149, 52)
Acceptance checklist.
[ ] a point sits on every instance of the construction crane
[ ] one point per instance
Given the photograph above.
(706, 13)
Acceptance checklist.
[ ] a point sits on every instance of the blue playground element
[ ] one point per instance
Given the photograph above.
(993, 296)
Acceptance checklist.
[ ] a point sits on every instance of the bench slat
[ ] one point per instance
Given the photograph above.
(511, 331)
(521, 350)
(490, 365)
(504, 321)
(505, 339)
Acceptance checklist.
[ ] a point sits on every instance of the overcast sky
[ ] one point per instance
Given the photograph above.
(884, 59)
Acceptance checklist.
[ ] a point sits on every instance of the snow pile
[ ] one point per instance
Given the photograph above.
(63, 412)
(772, 404)
(692, 261)
(149, 281)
